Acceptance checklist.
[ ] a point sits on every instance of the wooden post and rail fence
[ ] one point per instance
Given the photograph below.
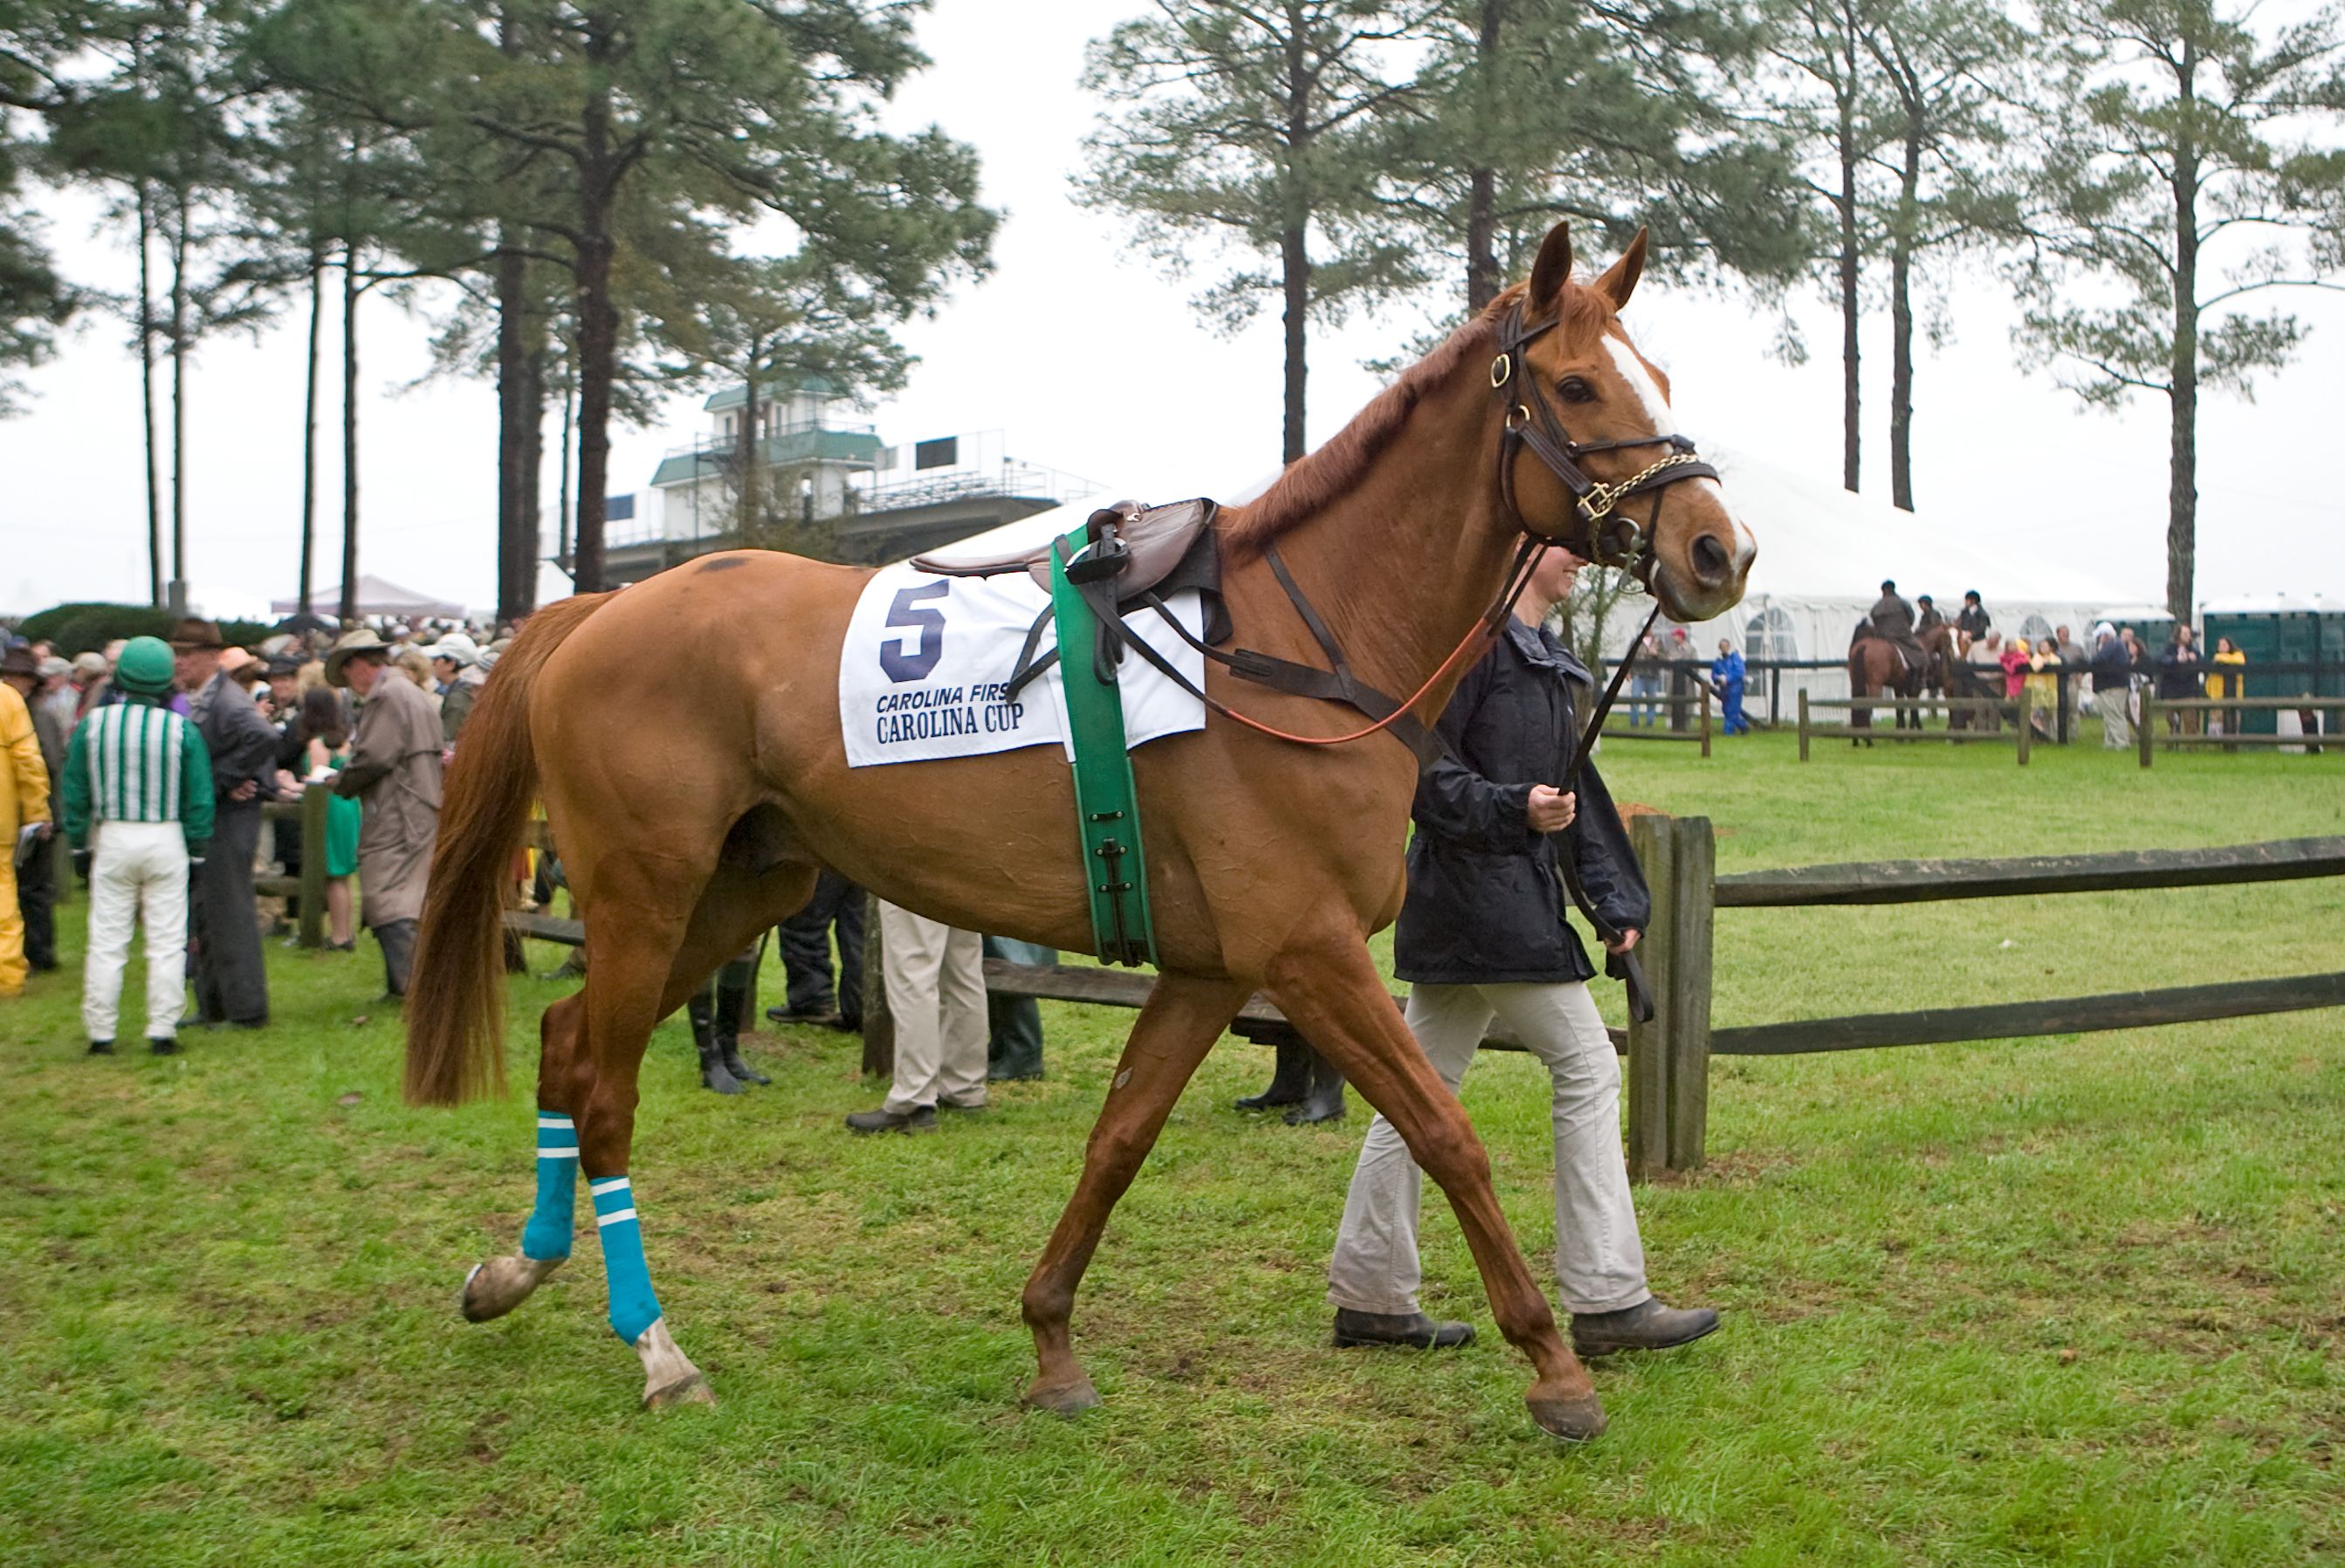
(1668, 1057)
(309, 886)
(2147, 738)
(1980, 707)
(1693, 733)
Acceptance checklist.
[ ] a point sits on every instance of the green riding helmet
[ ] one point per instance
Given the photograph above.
(146, 667)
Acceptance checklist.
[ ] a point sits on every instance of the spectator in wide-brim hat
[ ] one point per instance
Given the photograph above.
(394, 768)
(348, 646)
(193, 634)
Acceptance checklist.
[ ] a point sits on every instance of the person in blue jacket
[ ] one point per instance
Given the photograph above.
(1726, 680)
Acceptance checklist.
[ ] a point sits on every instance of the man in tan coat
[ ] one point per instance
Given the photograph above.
(394, 769)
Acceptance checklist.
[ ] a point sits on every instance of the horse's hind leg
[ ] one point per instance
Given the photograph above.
(1183, 1017)
(498, 1285)
(1332, 993)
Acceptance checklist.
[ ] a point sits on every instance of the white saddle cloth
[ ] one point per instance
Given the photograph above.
(927, 658)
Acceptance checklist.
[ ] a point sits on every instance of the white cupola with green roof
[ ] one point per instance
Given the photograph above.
(791, 444)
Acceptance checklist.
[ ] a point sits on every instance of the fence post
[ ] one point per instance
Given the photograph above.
(1804, 724)
(878, 1023)
(1649, 1042)
(315, 798)
(1694, 867)
(2027, 721)
(1705, 721)
(2149, 718)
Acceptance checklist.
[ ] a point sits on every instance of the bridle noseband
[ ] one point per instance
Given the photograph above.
(1531, 422)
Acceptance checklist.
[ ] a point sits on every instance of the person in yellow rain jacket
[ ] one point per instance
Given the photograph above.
(24, 804)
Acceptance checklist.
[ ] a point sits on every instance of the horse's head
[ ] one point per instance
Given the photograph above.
(1591, 458)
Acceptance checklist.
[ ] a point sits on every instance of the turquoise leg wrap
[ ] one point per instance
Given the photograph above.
(633, 1308)
(546, 1236)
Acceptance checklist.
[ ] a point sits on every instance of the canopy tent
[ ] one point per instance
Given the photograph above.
(1824, 553)
(376, 597)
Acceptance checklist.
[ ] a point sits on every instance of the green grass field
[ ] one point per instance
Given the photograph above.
(2069, 1301)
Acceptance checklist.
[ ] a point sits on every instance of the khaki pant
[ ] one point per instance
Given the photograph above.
(1599, 1262)
(139, 870)
(935, 977)
(2116, 723)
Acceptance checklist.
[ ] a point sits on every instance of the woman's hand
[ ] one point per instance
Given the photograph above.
(1551, 811)
(1627, 941)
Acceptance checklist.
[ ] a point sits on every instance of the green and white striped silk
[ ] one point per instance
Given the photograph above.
(134, 752)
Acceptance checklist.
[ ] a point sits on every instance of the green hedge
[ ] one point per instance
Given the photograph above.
(85, 627)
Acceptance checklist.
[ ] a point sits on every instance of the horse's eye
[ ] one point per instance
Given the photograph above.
(1575, 389)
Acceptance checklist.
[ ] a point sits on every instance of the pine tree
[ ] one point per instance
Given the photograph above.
(2185, 173)
(1258, 127)
(1615, 117)
(775, 115)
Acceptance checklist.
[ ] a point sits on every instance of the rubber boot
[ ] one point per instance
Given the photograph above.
(1324, 1103)
(1290, 1080)
(714, 1074)
(727, 1025)
(397, 939)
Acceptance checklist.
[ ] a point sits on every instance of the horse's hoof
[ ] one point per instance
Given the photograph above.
(1572, 1420)
(693, 1390)
(495, 1287)
(1063, 1399)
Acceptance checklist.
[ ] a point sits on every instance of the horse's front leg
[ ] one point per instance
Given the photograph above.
(1184, 1016)
(498, 1285)
(1332, 993)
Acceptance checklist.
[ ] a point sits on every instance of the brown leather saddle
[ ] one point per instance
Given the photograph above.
(1156, 540)
(1134, 559)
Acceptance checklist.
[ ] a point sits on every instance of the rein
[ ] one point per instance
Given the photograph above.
(1529, 424)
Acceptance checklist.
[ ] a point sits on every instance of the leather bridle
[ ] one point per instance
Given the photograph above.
(1530, 422)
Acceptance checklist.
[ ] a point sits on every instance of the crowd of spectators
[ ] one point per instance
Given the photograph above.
(370, 718)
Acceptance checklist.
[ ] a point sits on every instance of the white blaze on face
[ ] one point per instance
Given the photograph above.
(1656, 406)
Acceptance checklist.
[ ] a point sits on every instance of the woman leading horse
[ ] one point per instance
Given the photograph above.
(1269, 862)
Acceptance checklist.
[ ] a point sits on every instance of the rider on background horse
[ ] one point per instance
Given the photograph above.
(1893, 618)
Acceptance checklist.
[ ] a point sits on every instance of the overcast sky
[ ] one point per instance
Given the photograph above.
(1091, 364)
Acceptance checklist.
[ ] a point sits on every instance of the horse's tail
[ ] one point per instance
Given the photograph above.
(455, 1001)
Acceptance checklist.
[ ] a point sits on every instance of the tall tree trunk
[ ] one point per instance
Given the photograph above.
(179, 392)
(1295, 243)
(512, 308)
(513, 311)
(533, 467)
(1296, 263)
(349, 607)
(561, 501)
(598, 333)
(744, 459)
(147, 401)
(1901, 324)
(2182, 480)
(310, 432)
(1482, 280)
(1851, 429)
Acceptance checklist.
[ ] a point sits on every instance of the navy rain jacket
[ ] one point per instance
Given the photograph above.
(1486, 899)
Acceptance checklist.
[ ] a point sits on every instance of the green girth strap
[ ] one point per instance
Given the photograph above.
(1107, 807)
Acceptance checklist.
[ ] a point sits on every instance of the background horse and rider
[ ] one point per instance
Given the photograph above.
(695, 812)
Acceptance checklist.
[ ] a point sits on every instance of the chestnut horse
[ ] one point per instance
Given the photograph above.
(684, 736)
(1875, 665)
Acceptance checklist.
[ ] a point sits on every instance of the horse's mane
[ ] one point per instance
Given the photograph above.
(1331, 470)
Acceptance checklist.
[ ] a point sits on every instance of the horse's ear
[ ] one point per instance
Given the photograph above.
(1551, 272)
(1619, 280)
